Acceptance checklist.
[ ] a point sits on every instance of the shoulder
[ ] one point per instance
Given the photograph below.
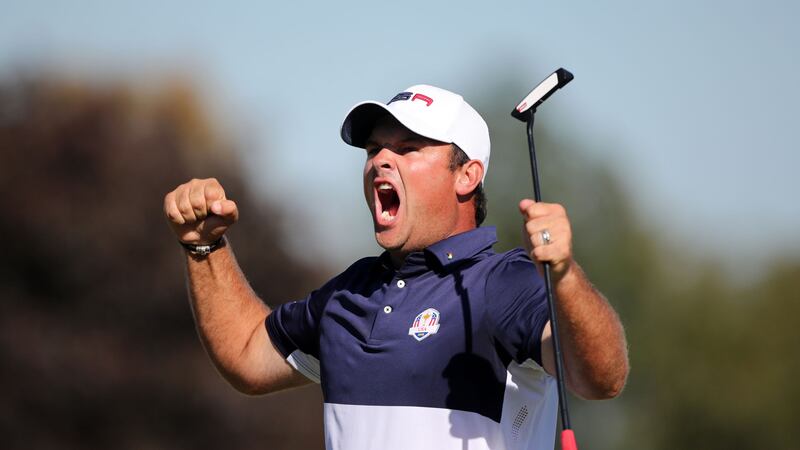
(363, 269)
(512, 269)
(514, 261)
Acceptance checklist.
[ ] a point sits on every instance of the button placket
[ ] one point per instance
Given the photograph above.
(385, 323)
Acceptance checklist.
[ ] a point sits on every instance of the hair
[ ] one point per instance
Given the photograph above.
(457, 159)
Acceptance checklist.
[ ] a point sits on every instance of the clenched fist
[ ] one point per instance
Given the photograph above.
(547, 234)
(198, 212)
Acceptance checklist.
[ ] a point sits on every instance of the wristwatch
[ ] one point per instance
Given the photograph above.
(203, 249)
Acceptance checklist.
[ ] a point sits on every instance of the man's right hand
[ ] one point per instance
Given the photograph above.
(198, 212)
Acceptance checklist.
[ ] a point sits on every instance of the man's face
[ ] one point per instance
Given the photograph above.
(409, 188)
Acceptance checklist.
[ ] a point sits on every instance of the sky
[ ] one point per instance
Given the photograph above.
(700, 96)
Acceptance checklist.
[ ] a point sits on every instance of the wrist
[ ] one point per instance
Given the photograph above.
(202, 250)
(570, 274)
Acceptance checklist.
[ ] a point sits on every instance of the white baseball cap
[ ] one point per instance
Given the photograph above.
(429, 111)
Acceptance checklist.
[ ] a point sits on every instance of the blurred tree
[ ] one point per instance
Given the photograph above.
(97, 342)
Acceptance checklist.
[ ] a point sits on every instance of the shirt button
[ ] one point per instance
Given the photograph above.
(401, 284)
(387, 309)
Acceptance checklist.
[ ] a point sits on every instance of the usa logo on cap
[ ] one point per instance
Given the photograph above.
(425, 324)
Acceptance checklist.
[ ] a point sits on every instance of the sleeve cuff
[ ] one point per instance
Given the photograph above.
(305, 364)
(277, 335)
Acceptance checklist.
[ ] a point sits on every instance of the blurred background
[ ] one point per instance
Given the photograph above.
(673, 150)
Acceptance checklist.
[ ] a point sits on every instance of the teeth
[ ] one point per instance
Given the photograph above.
(386, 216)
(384, 187)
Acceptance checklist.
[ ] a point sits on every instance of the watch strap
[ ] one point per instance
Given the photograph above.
(203, 249)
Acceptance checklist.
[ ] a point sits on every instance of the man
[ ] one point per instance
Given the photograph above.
(438, 343)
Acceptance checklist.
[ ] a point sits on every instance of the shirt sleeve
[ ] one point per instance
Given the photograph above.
(295, 325)
(518, 308)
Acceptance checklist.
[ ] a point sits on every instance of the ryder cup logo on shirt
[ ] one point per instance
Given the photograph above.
(425, 324)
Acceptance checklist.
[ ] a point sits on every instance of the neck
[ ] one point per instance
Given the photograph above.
(398, 257)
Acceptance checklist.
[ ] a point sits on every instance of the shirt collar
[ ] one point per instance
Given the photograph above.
(445, 253)
(462, 246)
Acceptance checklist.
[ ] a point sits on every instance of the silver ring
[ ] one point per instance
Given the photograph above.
(545, 237)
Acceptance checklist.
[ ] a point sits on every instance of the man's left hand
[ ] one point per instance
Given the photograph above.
(547, 235)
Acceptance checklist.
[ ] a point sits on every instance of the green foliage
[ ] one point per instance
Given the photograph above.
(712, 363)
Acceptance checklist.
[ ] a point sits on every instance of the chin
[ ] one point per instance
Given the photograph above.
(387, 244)
(390, 240)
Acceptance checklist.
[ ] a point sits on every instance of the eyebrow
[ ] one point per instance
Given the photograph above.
(410, 140)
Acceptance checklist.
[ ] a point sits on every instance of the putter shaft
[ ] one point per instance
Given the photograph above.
(537, 195)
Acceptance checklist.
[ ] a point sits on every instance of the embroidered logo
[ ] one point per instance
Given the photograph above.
(412, 96)
(425, 324)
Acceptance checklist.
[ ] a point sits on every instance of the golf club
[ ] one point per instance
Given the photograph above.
(525, 111)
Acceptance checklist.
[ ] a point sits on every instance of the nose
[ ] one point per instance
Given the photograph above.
(384, 159)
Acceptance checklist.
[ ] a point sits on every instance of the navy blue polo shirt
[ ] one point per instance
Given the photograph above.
(448, 345)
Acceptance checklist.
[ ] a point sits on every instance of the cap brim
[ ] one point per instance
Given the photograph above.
(360, 121)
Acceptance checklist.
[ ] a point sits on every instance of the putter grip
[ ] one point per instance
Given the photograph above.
(568, 440)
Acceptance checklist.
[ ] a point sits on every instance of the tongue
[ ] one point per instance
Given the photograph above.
(390, 202)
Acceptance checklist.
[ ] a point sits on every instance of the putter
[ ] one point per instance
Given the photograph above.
(525, 111)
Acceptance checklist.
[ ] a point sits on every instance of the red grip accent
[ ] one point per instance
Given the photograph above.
(568, 440)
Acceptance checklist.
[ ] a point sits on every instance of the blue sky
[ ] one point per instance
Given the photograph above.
(701, 96)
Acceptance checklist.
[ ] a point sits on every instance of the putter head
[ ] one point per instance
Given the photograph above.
(540, 93)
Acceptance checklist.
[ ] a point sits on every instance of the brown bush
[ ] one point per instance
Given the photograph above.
(97, 343)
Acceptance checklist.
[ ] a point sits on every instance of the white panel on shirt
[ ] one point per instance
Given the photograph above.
(528, 422)
(530, 407)
(305, 364)
(360, 427)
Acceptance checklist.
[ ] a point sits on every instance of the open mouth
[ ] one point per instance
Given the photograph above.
(387, 203)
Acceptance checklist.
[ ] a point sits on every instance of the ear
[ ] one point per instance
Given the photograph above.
(469, 177)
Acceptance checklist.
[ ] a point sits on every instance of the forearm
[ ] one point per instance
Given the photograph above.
(592, 338)
(227, 313)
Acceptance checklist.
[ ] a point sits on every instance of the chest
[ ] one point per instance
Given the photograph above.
(401, 334)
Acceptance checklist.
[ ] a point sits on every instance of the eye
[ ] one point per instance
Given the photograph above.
(372, 150)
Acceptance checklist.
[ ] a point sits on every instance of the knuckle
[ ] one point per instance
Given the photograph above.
(184, 207)
(175, 216)
(168, 200)
(214, 192)
(197, 201)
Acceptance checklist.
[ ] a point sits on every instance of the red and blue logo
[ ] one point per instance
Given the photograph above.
(425, 324)
(411, 96)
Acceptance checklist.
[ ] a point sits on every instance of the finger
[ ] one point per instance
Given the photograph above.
(197, 199)
(213, 191)
(184, 204)
(524, 204)
(537, 238)
(171, 209)
(226, 209)
(554, 252)
(551, 224)
(533, 210)
(546, 253)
